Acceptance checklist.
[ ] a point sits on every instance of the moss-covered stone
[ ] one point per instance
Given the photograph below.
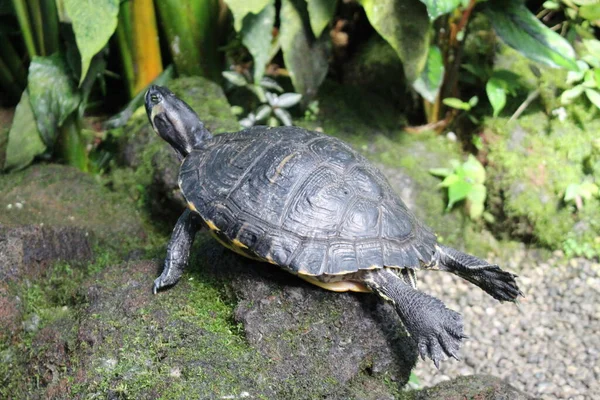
(58, 195)
(531, 163)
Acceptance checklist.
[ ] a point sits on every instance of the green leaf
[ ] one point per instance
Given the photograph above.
(456, 103)
(241, 8)
(24, 141)
(521, 30)
(593, 96)
(576, 76)
(458, 191)
(94, 22)
(551, 5)
(263, 112)
(321, 12)
(570, 94)
(496, 93)
(306, 58)
(450, 180)
(429, 82)
(473, 170)
(257, 34)
(235, 78)
(436, 8)
(571, 192)
(443, 172)
(588, 189)
(288, 100)
(473, 101)
(283, 116)
(405, 26)
(591, 12)
(53, 94)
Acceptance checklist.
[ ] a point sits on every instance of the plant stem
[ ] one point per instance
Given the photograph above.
(455, 53)
(38, 25)
(23, 17)
(123, 37)
(50, 26)
(146, 48)
(530, 98)
(71, 146)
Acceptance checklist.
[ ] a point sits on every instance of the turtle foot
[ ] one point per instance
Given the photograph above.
(439, 335)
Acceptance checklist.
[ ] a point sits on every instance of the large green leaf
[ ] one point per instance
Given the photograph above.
(24, 142)
(436, 8)
(94, 22)
(429, 83)
(53, 94)
(405, 26)
(257, 36)
(320, 13)
(241, 8)
(521, 30)
(306, 58)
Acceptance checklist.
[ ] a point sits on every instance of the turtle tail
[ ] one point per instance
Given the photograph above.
(496, 282)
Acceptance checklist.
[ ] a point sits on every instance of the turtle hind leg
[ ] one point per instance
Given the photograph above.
(178, 250)
(499, 284)
(437, 330)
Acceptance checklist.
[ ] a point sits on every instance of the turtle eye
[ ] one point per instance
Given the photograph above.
(155, 98)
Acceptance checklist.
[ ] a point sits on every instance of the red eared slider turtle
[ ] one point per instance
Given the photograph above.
(312, 205)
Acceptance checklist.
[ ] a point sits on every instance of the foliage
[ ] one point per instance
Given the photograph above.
(578, 192)
(273, 108)
(465, 182)
(301, 38)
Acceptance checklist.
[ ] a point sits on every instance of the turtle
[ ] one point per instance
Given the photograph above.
(310, 204)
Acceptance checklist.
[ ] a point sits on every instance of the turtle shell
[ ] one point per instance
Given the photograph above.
(302, 200)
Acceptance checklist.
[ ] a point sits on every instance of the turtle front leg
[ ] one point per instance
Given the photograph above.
(178, 250)
(437, 330)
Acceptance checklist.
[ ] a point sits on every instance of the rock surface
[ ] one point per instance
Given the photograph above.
(480, 387)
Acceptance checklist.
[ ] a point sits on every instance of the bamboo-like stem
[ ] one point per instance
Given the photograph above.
(123, 34)
(23, 17)
(38, 25)
(148, 62)
(50, 26)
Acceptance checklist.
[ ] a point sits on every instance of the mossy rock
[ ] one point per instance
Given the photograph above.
(229, 327)
(62, 196)
(531, 163)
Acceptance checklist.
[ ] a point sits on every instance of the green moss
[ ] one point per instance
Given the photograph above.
(531, 163)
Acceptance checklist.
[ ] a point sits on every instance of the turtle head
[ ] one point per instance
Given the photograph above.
(174, 121)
